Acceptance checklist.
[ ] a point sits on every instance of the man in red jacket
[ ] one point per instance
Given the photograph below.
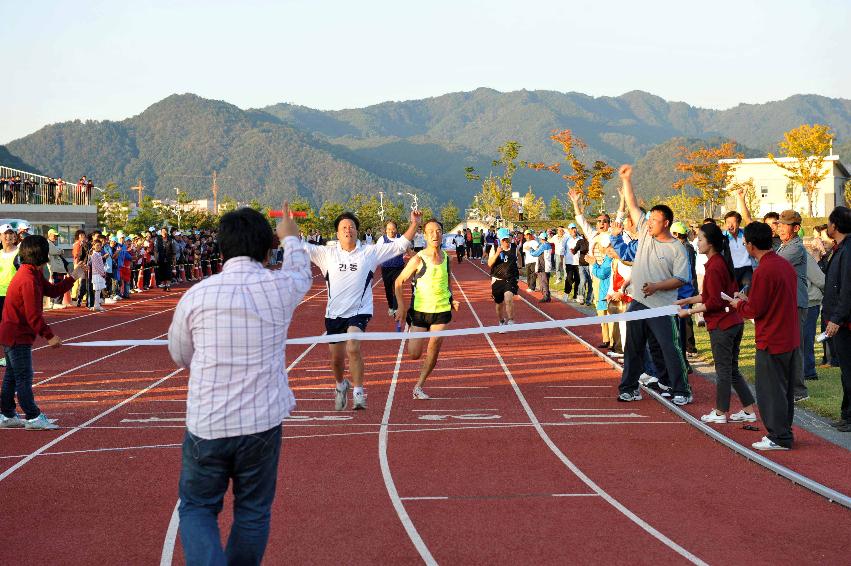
(772, 304)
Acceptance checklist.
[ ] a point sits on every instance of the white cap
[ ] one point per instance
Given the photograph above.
(152, 229)
(6, 228)
(23, 226)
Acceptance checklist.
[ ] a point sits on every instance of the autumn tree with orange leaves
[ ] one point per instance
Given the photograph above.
(580, 173)
(807, 146)
(705, 174)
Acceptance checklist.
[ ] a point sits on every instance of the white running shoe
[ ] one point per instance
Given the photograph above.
(766, 444)
(359, 401)
(647, 380)
(420, 394)
(628, 397)
(713, 417)
(509, 322)
(12, 422)
(682, 400)
(41, 422)
(391, 312)
(341, 399)
(743, 417)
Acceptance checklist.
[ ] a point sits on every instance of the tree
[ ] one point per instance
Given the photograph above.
(807, 146)
(327, 213)
(533, 207)
(449, 215)
(556, 209)
(683, 204)
(494, 200)
(793, 193)
(599, 173)
(309, 223)
(749, 190)
(705, 174)
(226, 204)
(847, 193)
(113, 208)
(149, 214)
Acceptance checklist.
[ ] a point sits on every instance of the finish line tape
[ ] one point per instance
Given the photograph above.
(372, 336)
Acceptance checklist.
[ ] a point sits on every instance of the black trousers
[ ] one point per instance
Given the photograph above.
(571, 279)
(531, 275)
(775, 392)
(842, 342)
(388, 276)
(725, 351)
(666, 331)
(459, 253)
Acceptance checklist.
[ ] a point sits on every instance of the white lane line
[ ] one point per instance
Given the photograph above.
(487, 497)
(96, 418)
(132, 320)
(602, 386)
(96, 360)
(576, 495)
(463, 369)
(83, 390)
(588, 409)
(585, 397)
(458, 387)
(448, 410)
(456, 398)
(566, 461)
(425, 498)
(171, 536)
(121, 306)
(608, 416)
(383, 432)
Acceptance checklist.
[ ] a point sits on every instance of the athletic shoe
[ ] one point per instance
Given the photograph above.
(41, 422)
(341, 400)
(839, 423)
(580, 299)
(647, 380)
(766, 444)
(12, 422)
(420, 394)
(743, 417)
(799, 398)
(662, 387)
(359, 401)
(714, 417)
(682, 399)
(616, 355)
(502, 323)
(98, 309)
(2, 362)
(844, 428)
(627, 397)
(666, 394)
(391, 312)
(59, 307)
(110, 301)
(509, 322)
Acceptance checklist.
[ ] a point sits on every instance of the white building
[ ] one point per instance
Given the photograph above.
(773, 187)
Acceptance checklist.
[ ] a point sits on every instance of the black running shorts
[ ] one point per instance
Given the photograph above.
(502, 286)
(427, 319)
(340, 325)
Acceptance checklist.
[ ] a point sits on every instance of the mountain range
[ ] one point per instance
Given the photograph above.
(418, 146)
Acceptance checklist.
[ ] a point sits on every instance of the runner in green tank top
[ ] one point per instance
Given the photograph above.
(431, 304)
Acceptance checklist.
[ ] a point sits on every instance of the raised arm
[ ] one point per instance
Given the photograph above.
(743, 206)
(575, 197)
(416, 220)
(629, 195)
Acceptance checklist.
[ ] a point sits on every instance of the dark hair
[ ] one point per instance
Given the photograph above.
(841, 218)
(347, 216)
(759, 235)
(77, 234)
(666, 212)
(720, 244)
(821, 227)
(244, 232)
(34, 250)
(772, 215)
(734, 214)
(393, 222)
(606, 216)
(708, 220)
(435, 220)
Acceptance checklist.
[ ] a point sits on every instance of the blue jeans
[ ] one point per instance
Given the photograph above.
(251, 461)
(808, 346)
(18, 379)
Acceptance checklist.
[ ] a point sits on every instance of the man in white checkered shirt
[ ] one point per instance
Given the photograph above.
(348, 268)
(230, 331)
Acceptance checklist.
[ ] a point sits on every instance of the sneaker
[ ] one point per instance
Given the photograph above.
(341, 400)
(502, 323)
(509, 322)
(359, 401)
(714, 417)
(59, 307)
(618, 355)
(627, 397)
(647, 380)
(682, 399)
(666, 394)
(2, 362)
(799, 398)
(11, 422)
(839, 423)
(98, 309)
(41, 422)
(743, 417)
(110, 301)
(580, 299)
(420, 394)
(662, 387)
(844, 428)
(766, 444)
(391, 312)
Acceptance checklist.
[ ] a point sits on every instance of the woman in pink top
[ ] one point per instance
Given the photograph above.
(725, 326)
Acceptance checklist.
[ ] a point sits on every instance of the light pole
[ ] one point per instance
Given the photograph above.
(415, 206)
(177, 206)
(381, 206)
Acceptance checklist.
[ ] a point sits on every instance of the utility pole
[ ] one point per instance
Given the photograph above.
(215, 193)
(139, 188)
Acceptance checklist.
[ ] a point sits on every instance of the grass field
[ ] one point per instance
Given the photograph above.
(825, 392)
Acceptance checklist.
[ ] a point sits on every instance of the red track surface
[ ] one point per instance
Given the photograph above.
(594, 480)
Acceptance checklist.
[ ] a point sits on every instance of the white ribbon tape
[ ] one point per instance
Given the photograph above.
(370, 336)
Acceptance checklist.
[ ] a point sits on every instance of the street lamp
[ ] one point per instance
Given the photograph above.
(415, 206)
(381, 206)
(177, 206)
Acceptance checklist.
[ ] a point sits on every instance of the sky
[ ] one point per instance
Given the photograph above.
(110, 60)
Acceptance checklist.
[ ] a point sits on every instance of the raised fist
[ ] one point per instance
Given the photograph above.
(625, 171)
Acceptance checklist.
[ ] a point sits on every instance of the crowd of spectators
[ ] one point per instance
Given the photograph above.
(30, 189)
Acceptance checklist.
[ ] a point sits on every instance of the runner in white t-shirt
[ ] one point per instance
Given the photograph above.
(348, 268)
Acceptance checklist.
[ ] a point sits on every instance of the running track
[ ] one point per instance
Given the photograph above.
(522, 456)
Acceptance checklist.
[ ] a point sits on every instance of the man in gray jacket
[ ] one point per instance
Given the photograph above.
(792, 250)
(56, 265)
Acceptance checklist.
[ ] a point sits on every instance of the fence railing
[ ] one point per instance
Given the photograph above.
(24, 187)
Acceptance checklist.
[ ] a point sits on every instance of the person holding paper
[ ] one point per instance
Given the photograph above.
(725, 325)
